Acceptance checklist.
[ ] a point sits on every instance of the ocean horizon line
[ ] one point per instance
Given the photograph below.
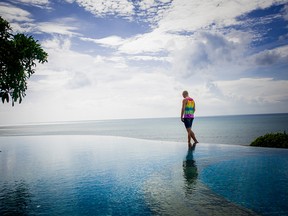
(127, 119)
(225, 129)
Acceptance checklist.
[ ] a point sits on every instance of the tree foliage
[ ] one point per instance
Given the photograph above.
(18, 56)
(276, 140)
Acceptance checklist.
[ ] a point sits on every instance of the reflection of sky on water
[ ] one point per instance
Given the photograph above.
(76, 175)
(90, 175)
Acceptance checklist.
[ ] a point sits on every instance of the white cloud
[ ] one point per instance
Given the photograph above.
(111, 41)
(251, 90)
(144, 11)
(36, 3)
(153, 42)
(146, 4)
(285, 12)
(148, 58)
(58, 27)
(103, 7)
(21, 21)
(152, 11)
(194, 15)
(270, 57)
(210, 54)
(12, 13)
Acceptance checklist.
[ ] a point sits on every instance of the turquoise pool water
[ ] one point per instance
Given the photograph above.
(258, 182)
(98, 175)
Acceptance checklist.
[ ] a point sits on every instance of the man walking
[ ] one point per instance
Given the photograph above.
(187, 116)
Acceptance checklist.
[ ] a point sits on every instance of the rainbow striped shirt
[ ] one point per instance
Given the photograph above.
(189, 108)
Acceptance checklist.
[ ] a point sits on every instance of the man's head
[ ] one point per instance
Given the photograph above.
(185, 94)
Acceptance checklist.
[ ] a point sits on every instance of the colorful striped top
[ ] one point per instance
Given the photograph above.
(189, 108)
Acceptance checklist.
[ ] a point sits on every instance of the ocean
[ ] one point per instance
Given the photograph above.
(234, 130)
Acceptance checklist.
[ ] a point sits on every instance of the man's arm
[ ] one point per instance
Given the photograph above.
(183, 108)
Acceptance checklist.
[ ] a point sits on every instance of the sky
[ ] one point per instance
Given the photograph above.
(122, 59)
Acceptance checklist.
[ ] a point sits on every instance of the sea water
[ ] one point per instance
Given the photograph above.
(238, 129)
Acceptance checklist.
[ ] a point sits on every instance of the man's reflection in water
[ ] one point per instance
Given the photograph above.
(190, 170)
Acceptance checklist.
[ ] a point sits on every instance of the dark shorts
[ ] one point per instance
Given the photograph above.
(188, 122)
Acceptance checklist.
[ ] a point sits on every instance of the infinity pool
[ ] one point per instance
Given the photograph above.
(97, 175)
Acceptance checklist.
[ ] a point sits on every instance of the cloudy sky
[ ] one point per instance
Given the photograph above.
(119, 59)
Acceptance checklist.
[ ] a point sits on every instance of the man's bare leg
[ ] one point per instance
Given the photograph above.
(189, 138)
(191, 135)
(194, 137)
